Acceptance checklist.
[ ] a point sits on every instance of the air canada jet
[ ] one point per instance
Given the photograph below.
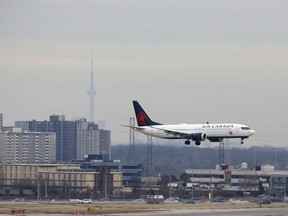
(194, 132)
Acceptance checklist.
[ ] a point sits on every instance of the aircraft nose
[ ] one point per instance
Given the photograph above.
(252, 132)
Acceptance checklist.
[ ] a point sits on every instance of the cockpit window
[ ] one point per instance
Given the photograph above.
(245, 128)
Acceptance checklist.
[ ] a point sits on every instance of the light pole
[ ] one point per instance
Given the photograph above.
(211, 188)
(285, 187)
(192, 189)
(254, 157)
(192, 195)
(105, 184)
(170, 186)
(276, 158)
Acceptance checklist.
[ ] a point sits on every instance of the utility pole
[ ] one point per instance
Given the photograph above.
(38, 186)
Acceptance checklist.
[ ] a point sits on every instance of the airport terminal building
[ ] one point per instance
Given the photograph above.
(261, 180)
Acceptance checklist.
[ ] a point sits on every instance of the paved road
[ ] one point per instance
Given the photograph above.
(218, 212)
(34, 208)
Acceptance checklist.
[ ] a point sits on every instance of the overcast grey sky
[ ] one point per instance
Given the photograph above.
(184, 60)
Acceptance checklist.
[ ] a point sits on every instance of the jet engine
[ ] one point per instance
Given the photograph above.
(199, 136)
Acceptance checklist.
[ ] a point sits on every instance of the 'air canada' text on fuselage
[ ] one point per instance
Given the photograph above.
(217, 126)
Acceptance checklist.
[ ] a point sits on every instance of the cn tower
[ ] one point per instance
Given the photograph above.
(91, 93)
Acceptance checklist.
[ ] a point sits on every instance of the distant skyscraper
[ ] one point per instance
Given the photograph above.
(91, 93)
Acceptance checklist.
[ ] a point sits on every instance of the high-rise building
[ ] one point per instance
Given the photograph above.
(105, 144)
(74, 139)
(87, 139)
(65, 134)
(27, 147)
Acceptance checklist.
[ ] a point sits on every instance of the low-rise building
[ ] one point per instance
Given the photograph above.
(263, 179)
(131, 171)
(62, 180)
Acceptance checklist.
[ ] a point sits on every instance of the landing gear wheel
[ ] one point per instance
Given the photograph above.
(242, 141)
(197, 143)
(187, 142)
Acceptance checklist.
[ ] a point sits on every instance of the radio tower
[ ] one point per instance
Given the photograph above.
(91, 93)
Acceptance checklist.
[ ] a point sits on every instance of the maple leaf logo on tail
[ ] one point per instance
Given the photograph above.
(141, 118)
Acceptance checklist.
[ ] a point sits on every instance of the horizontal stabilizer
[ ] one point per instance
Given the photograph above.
(133, 127)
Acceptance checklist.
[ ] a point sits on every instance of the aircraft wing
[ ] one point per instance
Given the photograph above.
(177, 133)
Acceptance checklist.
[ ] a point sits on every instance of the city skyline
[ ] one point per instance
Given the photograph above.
(185, 61)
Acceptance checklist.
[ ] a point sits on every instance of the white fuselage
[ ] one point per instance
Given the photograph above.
(179, 131)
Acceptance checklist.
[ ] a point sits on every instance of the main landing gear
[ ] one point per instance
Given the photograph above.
(187, 142)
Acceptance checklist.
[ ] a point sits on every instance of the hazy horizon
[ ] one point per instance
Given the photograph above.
(185, 61)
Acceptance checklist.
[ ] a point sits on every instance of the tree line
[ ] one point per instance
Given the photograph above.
(174, 159)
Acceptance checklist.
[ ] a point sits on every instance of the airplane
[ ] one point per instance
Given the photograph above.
(194, 132)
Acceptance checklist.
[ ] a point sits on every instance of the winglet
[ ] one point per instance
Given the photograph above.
(142, 118)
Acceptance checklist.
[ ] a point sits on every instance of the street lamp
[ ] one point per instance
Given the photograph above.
(192, 189)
